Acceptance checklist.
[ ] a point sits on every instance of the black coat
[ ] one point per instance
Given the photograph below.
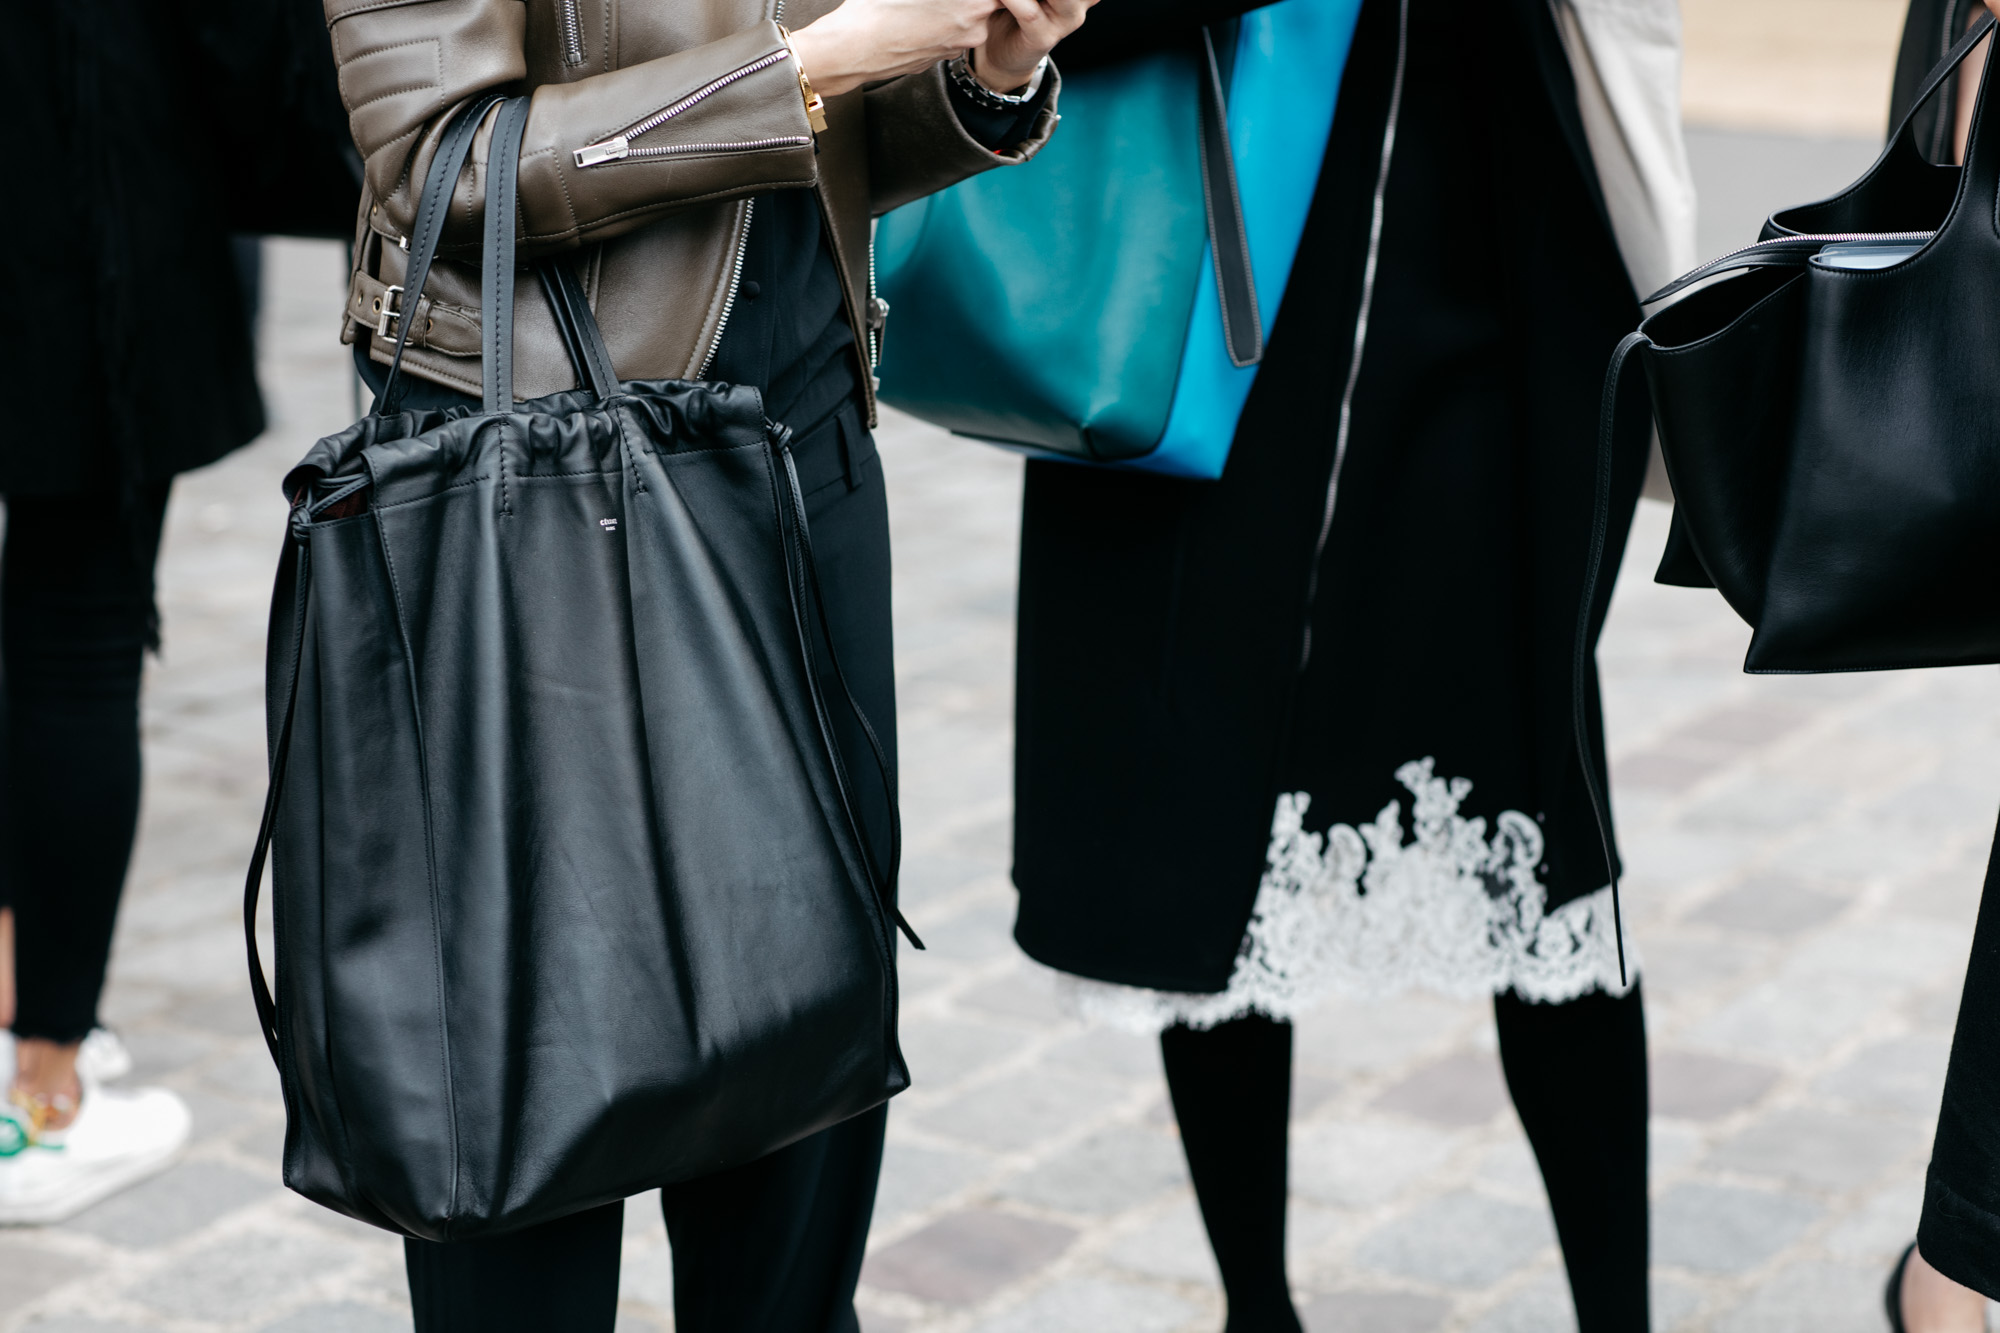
(1162, 707)
(148, 132)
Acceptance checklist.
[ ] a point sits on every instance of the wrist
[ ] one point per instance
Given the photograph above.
(1004, 81)
(820, 54)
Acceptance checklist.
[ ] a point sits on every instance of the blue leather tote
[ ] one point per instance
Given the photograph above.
(1108, 301)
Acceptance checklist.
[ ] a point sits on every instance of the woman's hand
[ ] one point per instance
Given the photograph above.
(1021, 32)
(866, 40)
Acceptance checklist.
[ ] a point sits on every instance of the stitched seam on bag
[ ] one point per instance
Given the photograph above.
(370, 9)
(382, 505)
(430, 863)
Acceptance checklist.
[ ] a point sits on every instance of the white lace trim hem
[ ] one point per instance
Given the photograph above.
(1363, 913)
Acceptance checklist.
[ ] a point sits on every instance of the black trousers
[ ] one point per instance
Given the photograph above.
(773, 1246)
(76, 618)
(1960, 1229)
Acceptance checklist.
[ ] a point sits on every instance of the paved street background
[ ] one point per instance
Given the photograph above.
(1805, 854)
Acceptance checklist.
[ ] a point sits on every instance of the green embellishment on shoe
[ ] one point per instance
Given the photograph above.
(13, 1136)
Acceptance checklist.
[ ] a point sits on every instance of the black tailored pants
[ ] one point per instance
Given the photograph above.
(1960, 1229)
(775, 1245)
(76, 617)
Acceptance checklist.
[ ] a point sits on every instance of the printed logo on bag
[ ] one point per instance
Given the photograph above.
(608, 524)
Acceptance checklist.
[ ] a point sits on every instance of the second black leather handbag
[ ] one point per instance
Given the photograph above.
(570, 898)
(1833, 433)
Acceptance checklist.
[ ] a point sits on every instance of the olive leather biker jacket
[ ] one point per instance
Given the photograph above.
(653, 122)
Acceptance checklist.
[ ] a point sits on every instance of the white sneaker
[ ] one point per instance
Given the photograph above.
(102, 1057)
(116, 1140)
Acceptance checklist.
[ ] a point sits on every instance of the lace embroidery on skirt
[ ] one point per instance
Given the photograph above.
(1362, 912)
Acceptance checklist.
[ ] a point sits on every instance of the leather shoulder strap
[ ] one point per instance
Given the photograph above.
(1228, 241)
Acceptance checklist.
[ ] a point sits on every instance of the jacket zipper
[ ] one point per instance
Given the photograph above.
(619, 146)
(1360, 332)
(572, 33)
(735, 282)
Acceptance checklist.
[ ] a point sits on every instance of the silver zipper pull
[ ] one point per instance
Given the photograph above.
(609, 150)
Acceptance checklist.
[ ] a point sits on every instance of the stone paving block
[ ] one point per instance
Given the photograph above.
(340, 1317)
(204, 957)
(1092, 1305)
(232, 1280)
(915, 1178)
(29, 1271)
(1787, 1020)
(249, 1073)
(1771, 905)
(1820, 1149)
(1342, 1036)
(227, 1013)
(1112, 1170)
(1746, 725)
(1877, 1231)
(1675, 962)
(1886, 953)
(1951, 895)
(965, 1257)
(1863, 848)
(1671, 1145)
(1108, 1051)
(1688, 1085)
(941, 1051)
(937, 874)
(1459, 1240)
(1906, 1074)
(1027, 994)
(1725, 1228)
(1678, 855)
(62, 1323)
(160, 1051)
(1675, 1304)
(646, 1274)
(1510, 1168)
(1358, 1163)
(1661, 770)
(1760, 802)
(1458, 1091)
(172, 1205)
(1541, 1306)
(1018, 1110)
(1373, 1312)
(1173, 1247)
(1809, 1298)
(973, 933)
(1935, 806)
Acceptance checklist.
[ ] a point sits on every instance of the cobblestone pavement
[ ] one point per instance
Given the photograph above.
(1806, 855)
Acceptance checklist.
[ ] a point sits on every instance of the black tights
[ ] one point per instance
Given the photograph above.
(1577, 1072)
(76, 618)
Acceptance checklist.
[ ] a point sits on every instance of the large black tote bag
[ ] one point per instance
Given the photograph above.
(1833, 434)
(569, 894)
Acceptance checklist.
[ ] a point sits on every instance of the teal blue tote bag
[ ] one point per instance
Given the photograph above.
(1108, 301)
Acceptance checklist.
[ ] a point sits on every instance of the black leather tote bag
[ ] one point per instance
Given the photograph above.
(569, 894)
(1832, 434)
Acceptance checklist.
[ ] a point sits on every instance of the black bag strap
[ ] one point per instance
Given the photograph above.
(287, 644)
(496, 273)
(446, 163)
(807, 574)
(1596, 782)
(1228, 241)
(1797, 251)
(580, 334)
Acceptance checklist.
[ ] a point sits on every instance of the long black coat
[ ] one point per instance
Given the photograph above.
(1162, 705)
(147, 131)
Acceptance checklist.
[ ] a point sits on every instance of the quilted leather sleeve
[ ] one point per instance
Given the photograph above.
(602, 154)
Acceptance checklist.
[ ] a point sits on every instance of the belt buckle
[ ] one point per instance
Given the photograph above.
(385, 306)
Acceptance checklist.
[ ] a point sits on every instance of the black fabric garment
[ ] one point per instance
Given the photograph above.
(1578, 1076)
(1577, 1073)
(1160, 705)
(773, 1246)
(76, 618)
(1959, 1233)
(129, 360)
(1232, 1092)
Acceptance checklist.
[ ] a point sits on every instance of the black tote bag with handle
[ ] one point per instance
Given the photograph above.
(1833, 434)
(570, 897)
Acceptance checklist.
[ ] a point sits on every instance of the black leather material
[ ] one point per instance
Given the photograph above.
(1833, 436)
(1228, 242)
(569, 895)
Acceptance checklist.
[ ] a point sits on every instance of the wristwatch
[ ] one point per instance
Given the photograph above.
(815, 104)
(968, 83)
